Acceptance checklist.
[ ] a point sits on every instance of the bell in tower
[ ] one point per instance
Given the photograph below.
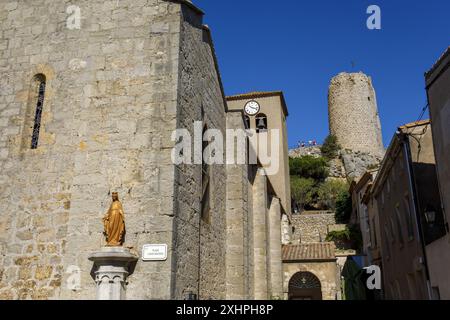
(261, 123)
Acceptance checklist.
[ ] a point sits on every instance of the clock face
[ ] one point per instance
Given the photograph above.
(251, 108)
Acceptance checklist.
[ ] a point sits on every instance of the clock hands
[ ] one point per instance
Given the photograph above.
(252, 108)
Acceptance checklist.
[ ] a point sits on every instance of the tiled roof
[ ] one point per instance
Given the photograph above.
(255, 94)
(319, 251)
(415, 124)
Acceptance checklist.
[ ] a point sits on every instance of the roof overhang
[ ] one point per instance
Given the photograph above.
(438, 68)
(262, 94)
(190, 5)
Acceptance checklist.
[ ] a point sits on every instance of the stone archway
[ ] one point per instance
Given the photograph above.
(304, 286)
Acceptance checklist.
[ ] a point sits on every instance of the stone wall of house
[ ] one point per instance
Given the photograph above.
(438, 82)
(200, 99)
(353, 113)
(311, 226)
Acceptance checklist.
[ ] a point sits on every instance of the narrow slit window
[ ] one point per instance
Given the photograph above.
(39, 108)
(205, 201)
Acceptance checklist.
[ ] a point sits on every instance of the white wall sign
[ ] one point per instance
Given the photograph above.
(154, 252)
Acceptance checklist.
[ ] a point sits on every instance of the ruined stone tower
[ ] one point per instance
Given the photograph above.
(353, 113)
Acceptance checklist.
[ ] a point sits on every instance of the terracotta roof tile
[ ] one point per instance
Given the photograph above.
(255, 94)
(319, 251)
(415, 124)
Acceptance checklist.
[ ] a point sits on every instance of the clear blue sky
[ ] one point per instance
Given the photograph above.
(298, 46)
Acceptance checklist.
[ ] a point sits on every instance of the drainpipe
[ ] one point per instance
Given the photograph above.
(413, 191)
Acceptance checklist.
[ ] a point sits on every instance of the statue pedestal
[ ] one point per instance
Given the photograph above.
(112, 266)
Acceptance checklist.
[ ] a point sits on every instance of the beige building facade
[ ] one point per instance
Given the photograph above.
(406, 192)
(374, 246)
(365, 215)
(310, 272)
(270, 209)
(273, 109)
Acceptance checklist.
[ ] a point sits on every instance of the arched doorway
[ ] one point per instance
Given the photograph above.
(305, 286)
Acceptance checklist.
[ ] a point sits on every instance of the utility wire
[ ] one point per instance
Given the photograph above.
(423, 112)
(412, 135)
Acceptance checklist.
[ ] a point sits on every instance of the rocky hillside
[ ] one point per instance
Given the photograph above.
(347, 165)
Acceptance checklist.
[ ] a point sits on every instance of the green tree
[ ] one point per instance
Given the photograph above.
(309, 167)
(350, 235)
(302, 191)
(329, 191)
(330, 147)
(343, 207)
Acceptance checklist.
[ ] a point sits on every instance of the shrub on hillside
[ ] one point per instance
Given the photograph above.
(329, 192)
(309, 167)
(302, 191)
(330, 147)
(343, 207)
(350, 238)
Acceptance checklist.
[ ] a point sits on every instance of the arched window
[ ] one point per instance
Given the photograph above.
(205, 206)
(40, 82)
(304, 280)
(305, 286)
(261, 123)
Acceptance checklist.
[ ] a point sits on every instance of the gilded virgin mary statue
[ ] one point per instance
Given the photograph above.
(114, 223)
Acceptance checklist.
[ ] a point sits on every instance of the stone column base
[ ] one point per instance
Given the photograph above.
(112, 266)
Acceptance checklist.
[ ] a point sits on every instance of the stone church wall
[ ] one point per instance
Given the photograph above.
(239, 254)
(199, 89)
(110, 108)
(115, 91)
